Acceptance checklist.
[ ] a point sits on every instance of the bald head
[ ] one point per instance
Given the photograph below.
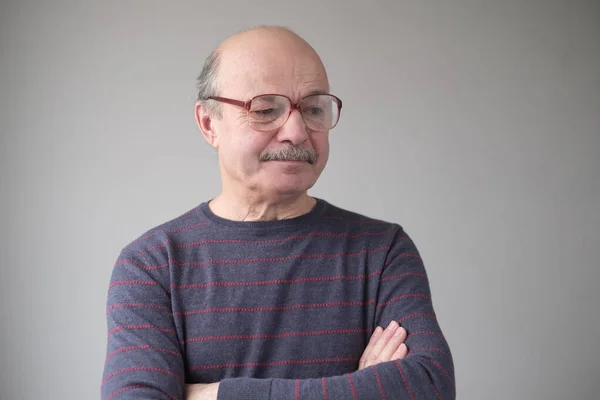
(273, 151)
(267, 35)
(266, 43)
(266, 58)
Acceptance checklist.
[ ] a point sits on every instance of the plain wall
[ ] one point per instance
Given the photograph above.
(474, 124)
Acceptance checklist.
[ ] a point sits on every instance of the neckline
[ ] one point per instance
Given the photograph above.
(290, 223)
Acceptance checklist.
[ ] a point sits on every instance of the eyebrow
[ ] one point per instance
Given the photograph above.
(319, 92)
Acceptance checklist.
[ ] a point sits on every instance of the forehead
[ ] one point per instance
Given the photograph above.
(271, 65)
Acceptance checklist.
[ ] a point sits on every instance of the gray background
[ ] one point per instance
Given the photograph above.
(474, 124)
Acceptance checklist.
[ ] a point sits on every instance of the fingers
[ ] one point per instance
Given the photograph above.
(384, 345)
(369, 348)
(382, 341)
(393, 345)
(400, 353)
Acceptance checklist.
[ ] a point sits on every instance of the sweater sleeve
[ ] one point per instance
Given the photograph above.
(143, 353)
(427, 372)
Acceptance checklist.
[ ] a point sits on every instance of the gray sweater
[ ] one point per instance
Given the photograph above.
(272, 310)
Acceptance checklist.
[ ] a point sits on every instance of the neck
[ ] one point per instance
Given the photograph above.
(257, 208)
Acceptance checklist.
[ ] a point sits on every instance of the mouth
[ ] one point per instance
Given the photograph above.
(293, 161)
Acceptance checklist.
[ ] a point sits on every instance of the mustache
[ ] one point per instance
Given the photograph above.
(289, 154)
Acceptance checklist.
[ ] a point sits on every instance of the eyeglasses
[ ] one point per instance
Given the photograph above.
(267, 112)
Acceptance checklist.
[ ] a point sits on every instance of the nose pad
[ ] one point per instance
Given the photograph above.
(297, 111)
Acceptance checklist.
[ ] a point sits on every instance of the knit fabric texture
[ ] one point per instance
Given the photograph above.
(272, 310)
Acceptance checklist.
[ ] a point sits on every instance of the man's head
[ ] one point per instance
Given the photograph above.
(260, 154)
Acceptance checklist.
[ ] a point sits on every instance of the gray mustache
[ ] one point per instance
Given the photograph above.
(290, 154)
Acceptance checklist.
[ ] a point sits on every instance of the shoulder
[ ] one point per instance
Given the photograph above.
(360, 226)
(178, 228)
(371, 233)
(353, 220)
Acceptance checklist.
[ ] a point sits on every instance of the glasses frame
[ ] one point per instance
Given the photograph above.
(294, 106)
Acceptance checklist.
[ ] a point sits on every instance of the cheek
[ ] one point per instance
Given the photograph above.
(242, 149)
(321, 145)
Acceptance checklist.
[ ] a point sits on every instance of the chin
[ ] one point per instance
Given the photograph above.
(288, 181)
(290, 187)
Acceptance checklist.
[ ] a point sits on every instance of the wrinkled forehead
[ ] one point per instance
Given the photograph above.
(291, 69)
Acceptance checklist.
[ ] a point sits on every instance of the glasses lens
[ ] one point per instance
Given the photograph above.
(268, 112)
(320, 111)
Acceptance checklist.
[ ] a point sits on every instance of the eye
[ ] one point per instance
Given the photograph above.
(315, 111)
(265, 112)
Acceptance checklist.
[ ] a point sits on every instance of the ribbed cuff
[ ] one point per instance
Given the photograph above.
(244, 389)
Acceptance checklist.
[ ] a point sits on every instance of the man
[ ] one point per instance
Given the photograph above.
(265, 292)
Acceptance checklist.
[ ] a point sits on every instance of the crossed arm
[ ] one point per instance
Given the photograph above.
(386, 344)
(147, 363)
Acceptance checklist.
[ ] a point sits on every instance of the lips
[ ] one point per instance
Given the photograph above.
(295, 160)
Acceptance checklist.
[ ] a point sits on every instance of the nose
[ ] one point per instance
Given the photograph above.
(294, 130)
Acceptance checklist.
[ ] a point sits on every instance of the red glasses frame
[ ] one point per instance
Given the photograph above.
(294, 106)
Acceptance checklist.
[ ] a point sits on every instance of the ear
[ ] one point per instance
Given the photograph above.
(205, 122)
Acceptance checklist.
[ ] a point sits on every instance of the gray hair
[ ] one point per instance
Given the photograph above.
(289, 154)
(207, 84)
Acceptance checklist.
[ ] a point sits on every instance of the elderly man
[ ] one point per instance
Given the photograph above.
(265, 292)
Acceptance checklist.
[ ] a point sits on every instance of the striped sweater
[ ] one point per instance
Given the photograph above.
(272, 310)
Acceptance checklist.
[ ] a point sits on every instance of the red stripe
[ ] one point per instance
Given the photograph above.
(431, 349)
(415, 315)
(404, 296)
(281, 308)
(276, 336)
(136, 305)
(439, 366)
(437, 394)
(277, 259)
(275, 363)
(352, 387)
(276, 281)
(115, 283)
(118, 328)
(426, 333)
(170, 231)
(324, 383)
(297, 389)
(126, 388)
(410, 393)
(374, 369)
(252, 260)
(401, 238)
(388, 278)
(299, 306)
(158, 246)
(404, 255)
(152, 369)
(142, 266)
(142, 347)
